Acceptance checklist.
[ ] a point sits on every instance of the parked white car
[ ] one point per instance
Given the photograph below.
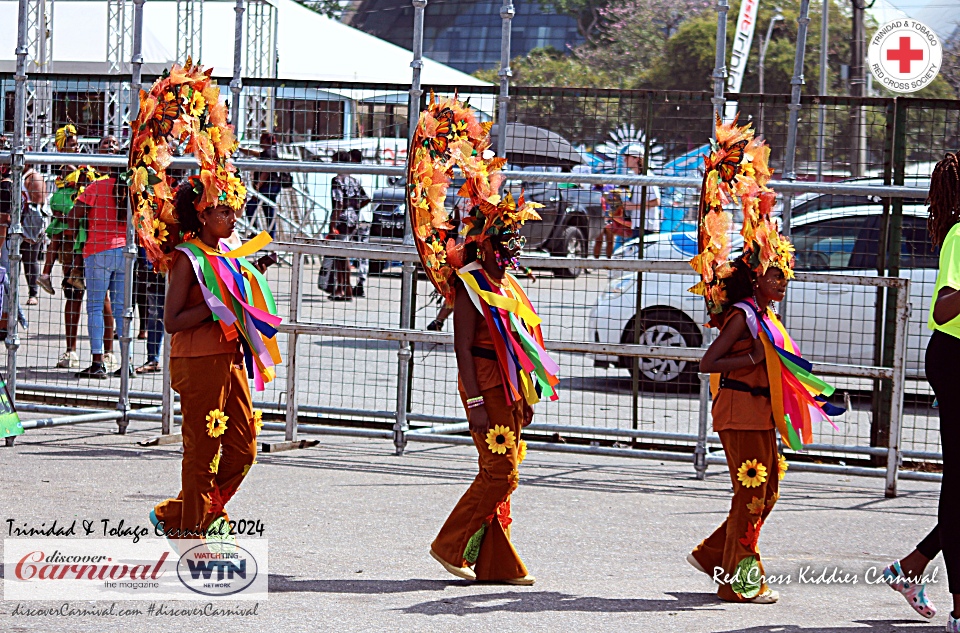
(830, 322)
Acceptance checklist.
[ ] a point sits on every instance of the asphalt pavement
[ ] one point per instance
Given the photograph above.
(349, 525)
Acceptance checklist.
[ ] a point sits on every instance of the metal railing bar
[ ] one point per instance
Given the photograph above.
(886, 191)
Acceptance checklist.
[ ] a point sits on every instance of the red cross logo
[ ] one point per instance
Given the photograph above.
(905, 55)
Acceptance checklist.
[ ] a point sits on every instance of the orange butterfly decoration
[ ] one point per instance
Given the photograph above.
(165, 115)
(729, 167)
(440, 142)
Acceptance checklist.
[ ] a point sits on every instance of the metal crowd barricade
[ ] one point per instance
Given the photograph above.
(292, 399)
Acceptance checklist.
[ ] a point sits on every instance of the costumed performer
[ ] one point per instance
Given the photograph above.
(218, 307)
(907, 574)
(503, 367)
(759, 381)
(66, 244)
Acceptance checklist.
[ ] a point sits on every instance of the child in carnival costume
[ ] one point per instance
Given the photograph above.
(503, 367)
(218, 307)
(759, 381)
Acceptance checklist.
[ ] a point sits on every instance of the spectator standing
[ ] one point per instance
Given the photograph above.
(362, 234)
(634, 159)
(267, 183)
(34, 222)
(103, 205)
(347, 197)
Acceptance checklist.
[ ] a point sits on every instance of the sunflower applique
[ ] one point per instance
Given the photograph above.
(500, 439)
(782, 467)
(257, 421)
(216, 423)
(521, 451)
(246, 469)
(752, 473)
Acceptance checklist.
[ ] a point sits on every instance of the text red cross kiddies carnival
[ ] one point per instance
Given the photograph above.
(905, 55)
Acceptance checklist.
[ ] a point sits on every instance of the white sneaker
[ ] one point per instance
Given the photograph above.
(68, 360)
(110, 362)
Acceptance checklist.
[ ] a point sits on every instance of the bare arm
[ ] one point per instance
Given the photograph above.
(716, 360)
(36, 189)
(465, 317)
(947, 306)
(176, 316)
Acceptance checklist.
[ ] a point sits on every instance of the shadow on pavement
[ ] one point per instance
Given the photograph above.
(282, 584)
(521, 601)
(871, 626)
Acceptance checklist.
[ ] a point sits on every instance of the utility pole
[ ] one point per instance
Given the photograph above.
(858, 85)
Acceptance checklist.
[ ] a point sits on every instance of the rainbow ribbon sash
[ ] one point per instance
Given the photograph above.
(240, 300)
(797, 396)
(527, 370)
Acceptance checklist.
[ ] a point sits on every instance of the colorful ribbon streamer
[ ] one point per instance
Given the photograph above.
(798, 397)
(526, 368)
(240, 300)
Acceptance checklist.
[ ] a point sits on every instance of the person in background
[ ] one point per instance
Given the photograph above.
(267, 183)
(34, 230)
(154, 288)
(362, 234)
(347, 198)
(633, 157)
(7, 197)
(65, 245)
(103, 205)
(907, 575)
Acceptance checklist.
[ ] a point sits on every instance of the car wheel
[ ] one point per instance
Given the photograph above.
(664, 328)
(573, 244)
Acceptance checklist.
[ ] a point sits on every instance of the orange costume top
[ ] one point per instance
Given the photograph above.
(736, 410)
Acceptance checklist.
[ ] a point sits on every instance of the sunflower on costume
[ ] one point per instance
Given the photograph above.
(500, 439)
(521, 451)
(257, 421)
(782, 467)
(216, 423)
(756, 506)
(752, 473)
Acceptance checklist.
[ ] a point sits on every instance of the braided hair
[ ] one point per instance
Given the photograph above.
(944, 198)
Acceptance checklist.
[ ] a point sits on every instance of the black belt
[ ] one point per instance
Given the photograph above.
(736, 385)
(484, 352)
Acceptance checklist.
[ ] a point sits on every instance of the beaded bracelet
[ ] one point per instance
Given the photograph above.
(473, 403)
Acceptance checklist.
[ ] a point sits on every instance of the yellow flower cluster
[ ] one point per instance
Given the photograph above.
(448, 137)
(737, 172)
(182, 106)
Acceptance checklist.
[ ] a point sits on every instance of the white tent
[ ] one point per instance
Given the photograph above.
(310, 46)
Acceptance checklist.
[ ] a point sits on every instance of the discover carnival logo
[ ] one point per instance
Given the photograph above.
(905, 55)
(106, 569)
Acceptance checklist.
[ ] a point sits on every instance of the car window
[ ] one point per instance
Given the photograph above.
(916, 249)
(829, 245)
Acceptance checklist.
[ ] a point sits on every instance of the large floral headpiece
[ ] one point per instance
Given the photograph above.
(62, 134)
(182, 107)
(736, 172)
(449, 137)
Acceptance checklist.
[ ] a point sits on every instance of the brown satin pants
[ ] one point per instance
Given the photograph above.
(735, 539)
(487, 495)
(206, 383)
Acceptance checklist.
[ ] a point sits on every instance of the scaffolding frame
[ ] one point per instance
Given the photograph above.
(39, 94)
(119, 42)
(189, 29)
(261, 63)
